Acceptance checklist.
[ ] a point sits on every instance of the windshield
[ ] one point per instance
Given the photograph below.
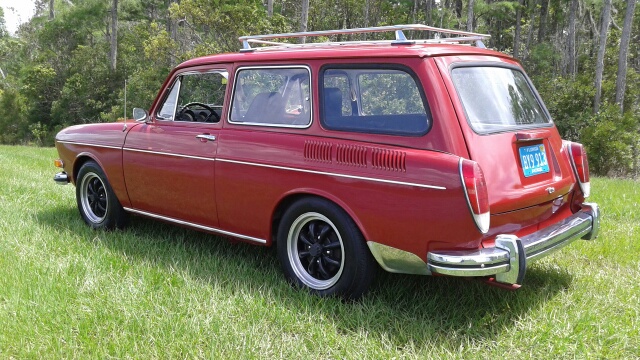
(497, 98)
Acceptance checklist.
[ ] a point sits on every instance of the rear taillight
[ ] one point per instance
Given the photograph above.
(580, 166)
(475, 189)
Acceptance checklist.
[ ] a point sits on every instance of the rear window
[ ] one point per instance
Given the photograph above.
(497, 99)
(377, 100)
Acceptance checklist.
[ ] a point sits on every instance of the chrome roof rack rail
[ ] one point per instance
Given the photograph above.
(401, 39)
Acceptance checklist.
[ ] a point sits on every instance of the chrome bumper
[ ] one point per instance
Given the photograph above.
(507, 261)
(61, 178)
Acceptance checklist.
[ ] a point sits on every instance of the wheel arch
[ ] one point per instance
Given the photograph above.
(293, 196)
(80, 160)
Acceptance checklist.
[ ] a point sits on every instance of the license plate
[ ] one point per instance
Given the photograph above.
(534, 160)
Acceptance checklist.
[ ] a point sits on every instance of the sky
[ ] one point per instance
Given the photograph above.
(16, 12)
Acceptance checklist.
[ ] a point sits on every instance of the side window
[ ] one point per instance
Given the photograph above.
(195, 97)
(377, 100)
(272, 97)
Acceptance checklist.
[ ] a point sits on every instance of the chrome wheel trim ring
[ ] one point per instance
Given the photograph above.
(85, 200)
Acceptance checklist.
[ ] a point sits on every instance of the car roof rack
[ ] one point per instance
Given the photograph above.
(401, 39)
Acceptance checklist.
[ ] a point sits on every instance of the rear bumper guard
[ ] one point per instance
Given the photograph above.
(508, 260)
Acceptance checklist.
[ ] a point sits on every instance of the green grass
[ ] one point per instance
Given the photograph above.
(160, 291)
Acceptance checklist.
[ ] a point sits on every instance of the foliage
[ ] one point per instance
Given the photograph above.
(87, 93)
(56, 72)
(13, 120)
(218, 29)
(610, 139)
(569, 101)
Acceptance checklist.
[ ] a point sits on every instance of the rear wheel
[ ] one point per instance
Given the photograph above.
(97, 203)
(321, 249)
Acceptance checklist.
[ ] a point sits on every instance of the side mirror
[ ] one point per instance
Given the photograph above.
(140, 115)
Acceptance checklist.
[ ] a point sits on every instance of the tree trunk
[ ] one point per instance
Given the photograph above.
(304, 19)
(527, 44)
(51, 14)
(458, 8)
(367, 5)
(470, 15)
(516, 36)
(428, 10)
(113, 54)
(172, 29)
(571, 41)
(621, 82)
(604, 29)
(544, 11)
(270, 8)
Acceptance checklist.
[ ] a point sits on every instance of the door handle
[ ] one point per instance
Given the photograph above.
(206, 137)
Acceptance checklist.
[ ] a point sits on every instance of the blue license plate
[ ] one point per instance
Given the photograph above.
(534, 160)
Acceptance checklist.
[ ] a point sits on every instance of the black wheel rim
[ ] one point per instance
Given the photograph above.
(316, 251)
(93, 198)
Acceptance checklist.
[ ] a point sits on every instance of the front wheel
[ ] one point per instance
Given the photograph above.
(321, 249)
(97, 203)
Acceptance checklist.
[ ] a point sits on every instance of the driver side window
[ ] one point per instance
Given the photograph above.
(195, 97)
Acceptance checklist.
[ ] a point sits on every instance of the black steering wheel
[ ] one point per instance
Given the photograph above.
(209, 108)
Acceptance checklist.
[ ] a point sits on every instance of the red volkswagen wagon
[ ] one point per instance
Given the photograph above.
(417, 156)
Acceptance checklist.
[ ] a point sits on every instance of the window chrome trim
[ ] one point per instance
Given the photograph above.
(177, 81)
(87, 144)
(233, 97)
(222, 72)
(178, 78)
(394, 182)
(197, 226)
(169, 154)
(175, 105)
(363, 67)
(534, 91)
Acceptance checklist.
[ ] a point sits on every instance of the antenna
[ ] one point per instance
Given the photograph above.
(124, 128)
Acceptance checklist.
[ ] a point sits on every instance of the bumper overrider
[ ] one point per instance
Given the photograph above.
(508, 260)
(61, 178)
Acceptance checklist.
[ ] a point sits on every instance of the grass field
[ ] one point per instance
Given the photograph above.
(160, 291)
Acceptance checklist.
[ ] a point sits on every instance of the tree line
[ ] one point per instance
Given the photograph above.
(70, 62)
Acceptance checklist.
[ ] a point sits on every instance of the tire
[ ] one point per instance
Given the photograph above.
(97, 203)
(321, 249)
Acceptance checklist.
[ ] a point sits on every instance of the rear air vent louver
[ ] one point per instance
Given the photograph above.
(352, 155)
(390, 160)
(317, 151)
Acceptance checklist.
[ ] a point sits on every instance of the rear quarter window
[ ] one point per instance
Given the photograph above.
(498, 99)
(378, 100)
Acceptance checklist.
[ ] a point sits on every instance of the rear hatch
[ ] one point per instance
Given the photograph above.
(509, 132)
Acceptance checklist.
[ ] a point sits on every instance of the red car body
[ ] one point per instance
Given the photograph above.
(406, 195)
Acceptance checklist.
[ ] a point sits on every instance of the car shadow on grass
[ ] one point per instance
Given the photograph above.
(403, 309)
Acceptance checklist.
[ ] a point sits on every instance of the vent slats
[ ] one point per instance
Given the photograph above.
(352, 155)
(356, 155)
(390, 160)
(317, 151)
